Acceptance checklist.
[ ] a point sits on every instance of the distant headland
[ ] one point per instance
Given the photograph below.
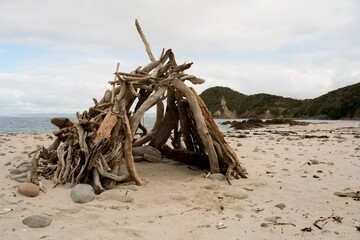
(343, 103)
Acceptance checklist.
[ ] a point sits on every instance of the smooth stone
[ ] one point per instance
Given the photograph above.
(18, 170)
(28, 189)
(280, 205)
(114, 195)
(264, 225)
(82, 193)
(37, 221)
(22, 180)
(330, 164)
(314, 162)
(236, 193)
(139, 151)
(7, 163)
(239, 215)
(217, 176)
(25, 163)
(272, 219)
(21, 175)
(133, 187)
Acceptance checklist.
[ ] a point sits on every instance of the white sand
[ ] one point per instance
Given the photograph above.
(179, 203)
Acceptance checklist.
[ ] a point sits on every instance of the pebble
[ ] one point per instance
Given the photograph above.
(82, 193)
(239, 215)
(7, 163)
(314, 162)
(330, 164)
(316, 176)
(220, 225)
(114, 195)
(28, 189)
(21, 175)
(25, 163)
(22, 180)
(37, 221)
(280, 205)
(264, 225)
(272, 219)
(18, 170)
(217, 176)
(236, 193)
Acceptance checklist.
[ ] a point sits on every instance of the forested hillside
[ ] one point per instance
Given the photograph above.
(343, 103)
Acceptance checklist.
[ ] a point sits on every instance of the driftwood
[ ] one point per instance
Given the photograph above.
(100, 143)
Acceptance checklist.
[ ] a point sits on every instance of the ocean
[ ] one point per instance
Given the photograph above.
(10, 125)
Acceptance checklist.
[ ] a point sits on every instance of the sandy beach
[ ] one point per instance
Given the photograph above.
(293, 174)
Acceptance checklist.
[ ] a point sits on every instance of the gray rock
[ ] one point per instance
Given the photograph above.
(22, 180)
(21, 175)
(82, 193)
(236, 193)
(264, 225)
(139, 151)
(23, 163)
(29, 189)
(7, 163)
(37, 221)
(314, 162)
(152, 159)
(272, 219)
(239, 215)
(330, 164)
(280, 205)
(217, 176)
(18, 170)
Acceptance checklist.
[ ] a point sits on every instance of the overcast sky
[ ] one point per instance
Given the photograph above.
(55, 56)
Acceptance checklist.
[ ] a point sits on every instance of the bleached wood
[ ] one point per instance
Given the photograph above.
(200, 124)
(146, 43)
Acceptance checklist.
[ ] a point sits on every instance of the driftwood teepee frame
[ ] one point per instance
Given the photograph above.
(97, 146)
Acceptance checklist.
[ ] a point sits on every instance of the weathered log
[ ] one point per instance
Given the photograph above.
(168, 123)
(62, 122)
(34, 166)
(200, 123)
(128, 153)
(187, 157)
(227, 151)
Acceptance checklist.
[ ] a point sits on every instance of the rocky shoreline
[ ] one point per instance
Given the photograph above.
(258, 123)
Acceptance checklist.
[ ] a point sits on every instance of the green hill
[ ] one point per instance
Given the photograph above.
(343, 103)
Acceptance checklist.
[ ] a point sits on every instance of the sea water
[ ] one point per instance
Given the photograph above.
(43, 125)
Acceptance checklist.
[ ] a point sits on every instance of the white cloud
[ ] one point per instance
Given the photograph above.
(299, 49)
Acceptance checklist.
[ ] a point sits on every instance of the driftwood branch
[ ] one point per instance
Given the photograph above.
(99, 145)
(147, 45)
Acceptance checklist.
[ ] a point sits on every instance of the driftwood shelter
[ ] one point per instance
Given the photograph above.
(109, 136)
